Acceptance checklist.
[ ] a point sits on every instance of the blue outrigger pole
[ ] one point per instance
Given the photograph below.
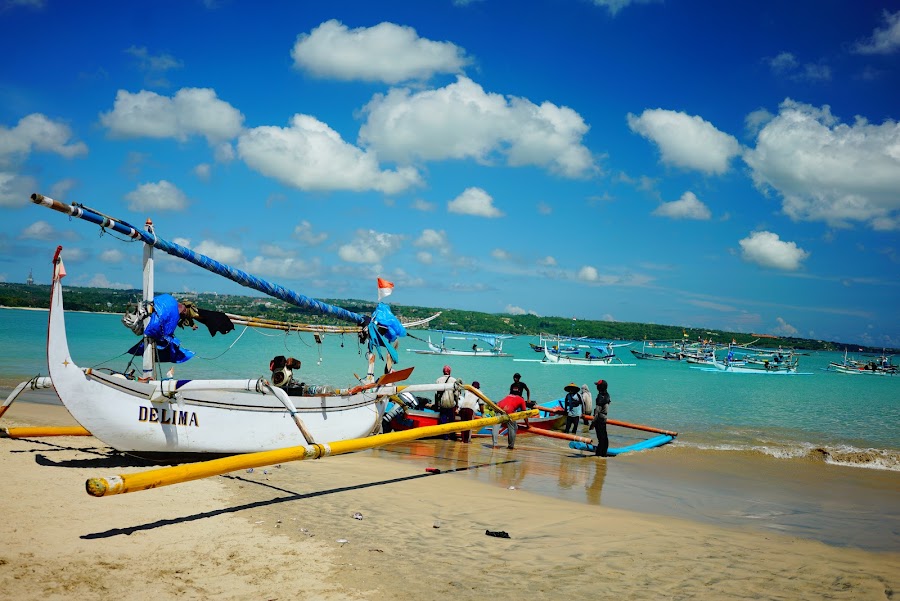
(235, 275)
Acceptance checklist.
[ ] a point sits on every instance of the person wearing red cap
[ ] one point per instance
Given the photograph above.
(446, 401)
(599, 423)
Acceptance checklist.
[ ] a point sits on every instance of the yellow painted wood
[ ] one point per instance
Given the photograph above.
(37, 432)
(101, 487)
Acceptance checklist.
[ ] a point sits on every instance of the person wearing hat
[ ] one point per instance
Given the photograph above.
(599, 422)
(573, 405)
(445, 402)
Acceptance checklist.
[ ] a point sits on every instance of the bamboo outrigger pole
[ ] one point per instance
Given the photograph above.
(615, 422)
(41, 431)
(101, 487)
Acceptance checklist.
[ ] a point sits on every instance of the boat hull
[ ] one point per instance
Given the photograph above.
(419, 418)
(219, 417)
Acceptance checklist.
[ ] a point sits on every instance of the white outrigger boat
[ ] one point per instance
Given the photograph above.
(609, 359)
(494, 344)
(742, 367)
(150, 415)
(883, 366)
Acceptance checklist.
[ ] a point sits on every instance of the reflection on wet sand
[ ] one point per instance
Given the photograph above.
(541, 466)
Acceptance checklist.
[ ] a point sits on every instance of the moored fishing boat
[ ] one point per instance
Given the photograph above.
(494, 344)
(882, 366)
(149, 414)
(742, 367)
(607, 358)
(669, 352)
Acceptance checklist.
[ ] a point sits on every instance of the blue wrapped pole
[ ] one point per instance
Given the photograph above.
(233, 274)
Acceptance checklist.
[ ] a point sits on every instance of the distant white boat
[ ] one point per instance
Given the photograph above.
(483, 345)
(742, 367)
(607, 358)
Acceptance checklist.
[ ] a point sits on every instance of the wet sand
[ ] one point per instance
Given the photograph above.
(577, 526)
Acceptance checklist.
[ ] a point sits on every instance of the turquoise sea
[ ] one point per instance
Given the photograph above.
(844, 419)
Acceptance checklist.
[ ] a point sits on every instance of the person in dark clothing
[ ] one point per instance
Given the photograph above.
(600, 415)
(518, 388)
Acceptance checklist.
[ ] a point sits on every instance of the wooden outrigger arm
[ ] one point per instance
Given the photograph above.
(101, 487)
(35, 383)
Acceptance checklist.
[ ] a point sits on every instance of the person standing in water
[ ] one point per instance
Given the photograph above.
(587, 406)
(518, 388)
(573, 405)
(600, 415)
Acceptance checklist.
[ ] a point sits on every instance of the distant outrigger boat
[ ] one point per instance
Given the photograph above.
(788, 366)
(607, 359)
(670, 352)
(494, 342)
(882, 367)
(558, 345)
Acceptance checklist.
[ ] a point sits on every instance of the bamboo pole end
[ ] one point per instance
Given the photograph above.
(101, 487)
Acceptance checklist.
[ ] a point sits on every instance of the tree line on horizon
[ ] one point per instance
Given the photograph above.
(110, 300)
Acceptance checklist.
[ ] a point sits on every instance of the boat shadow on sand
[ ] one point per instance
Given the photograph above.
(103, 457)
(291, 496)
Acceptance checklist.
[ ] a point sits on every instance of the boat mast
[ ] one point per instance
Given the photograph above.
(149, 345)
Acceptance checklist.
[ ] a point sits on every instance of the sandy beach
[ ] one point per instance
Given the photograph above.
(290, 531)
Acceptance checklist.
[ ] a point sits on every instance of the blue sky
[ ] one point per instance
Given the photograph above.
(727, 165)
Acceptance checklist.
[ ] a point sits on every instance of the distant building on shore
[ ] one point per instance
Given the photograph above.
(30, 280)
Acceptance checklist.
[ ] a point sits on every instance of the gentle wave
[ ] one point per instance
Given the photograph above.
(877, 459)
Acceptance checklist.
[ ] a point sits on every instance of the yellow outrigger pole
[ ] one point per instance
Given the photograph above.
(102, 487)
(42, 431)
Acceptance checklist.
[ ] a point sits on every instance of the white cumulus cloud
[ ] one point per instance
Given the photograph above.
(474, 201)
(829, 171)
(287, 268)
(462, 121)
(884, 40)
(768, 250)
(588, 274)
(305, 234)
(369, 246)
(221, 252)
(192, 111)
(37, 132)
(16, 190)
(309, 155)
(159, 196)
(112, 255)
(686, 141)
(686, 207)
(39, 230)
(387, 53)
(784, 328)
(434, 240)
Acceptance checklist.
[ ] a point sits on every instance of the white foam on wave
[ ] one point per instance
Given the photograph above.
(845, 455)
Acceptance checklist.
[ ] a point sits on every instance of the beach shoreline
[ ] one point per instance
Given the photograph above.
(275, 532)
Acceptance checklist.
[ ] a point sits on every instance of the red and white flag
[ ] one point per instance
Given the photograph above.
(384, 288)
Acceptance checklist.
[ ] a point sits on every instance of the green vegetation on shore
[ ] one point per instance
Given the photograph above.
(107, 300)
